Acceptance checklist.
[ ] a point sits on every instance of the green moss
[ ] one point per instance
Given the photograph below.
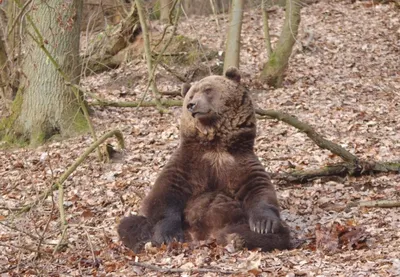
(8, 129)
(273, 60)
(38, 137)
(80, 124)
(155, 12)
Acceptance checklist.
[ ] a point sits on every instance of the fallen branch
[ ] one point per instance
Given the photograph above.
(135, 104)
(181, 270)
(375, 204)
(72, 168)
(171, 93)
(339, 169)
(310, 132)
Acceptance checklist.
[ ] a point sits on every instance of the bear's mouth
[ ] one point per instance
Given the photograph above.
(205, 118)
(200, 115)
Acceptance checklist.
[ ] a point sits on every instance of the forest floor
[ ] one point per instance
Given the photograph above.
(343, 79)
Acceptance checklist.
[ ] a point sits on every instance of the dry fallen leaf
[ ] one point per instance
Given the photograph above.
(337, 237)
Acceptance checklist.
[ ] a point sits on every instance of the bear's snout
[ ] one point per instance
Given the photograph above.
(191, 107)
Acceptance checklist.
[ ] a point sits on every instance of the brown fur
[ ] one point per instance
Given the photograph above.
(214, 185)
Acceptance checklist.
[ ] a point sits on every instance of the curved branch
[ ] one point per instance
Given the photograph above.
(310, 132)
(60, 181)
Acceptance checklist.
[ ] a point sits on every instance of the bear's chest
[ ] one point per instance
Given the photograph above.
(221, 170)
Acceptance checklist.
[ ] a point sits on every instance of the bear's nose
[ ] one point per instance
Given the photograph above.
(191, 106)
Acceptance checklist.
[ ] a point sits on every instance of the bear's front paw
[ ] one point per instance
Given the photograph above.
(168, 230)
(265, 221)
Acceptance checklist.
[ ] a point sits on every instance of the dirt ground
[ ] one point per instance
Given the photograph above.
(343, 79)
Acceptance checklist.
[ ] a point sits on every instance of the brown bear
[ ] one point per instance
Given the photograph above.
(214, 186)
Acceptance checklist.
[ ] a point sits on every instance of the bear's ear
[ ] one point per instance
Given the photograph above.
(233, 74)
(185, 89)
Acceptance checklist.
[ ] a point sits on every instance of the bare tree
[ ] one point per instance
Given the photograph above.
(232, 52)
(165, 6)
(275, 67)
(46, 103)
(3, 69)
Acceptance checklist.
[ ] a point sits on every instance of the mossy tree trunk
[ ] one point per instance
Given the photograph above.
(3, 70)
(232, 50)
(274, 69)
(8, 79)
(46, 105)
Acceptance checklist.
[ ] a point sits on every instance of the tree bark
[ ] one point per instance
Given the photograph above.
(165, 6)
(3, 71)
(203, 7)
(275, 68)
(232, 52)
(47, 105)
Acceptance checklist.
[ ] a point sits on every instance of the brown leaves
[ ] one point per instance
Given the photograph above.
(345, 83)
(338, 237)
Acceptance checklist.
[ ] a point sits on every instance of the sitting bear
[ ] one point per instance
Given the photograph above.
(214, 186)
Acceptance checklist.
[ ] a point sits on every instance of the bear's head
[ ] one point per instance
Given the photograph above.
(218, 109)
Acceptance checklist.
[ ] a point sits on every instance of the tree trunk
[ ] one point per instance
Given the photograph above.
(203, 7)
(3, 70)
(47, 105)
(8, 76)
(274, 69)
(232, 52)
(165, 5)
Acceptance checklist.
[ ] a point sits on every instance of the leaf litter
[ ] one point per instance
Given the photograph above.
(343, 79)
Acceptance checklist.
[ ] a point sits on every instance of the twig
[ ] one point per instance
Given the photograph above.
(179, 76)
(180, 270)
(152, 67)
(18, 230)
(91, 246)
(45, 229)
(6, 270)
(197, 38)
(134, 104)
(72, 168)
(375, 204)
(18, 16)
(212, 4)
(169, 23)
(147, 52)
(171, 93)
(24, 248)
(63, 220)
(60, 242)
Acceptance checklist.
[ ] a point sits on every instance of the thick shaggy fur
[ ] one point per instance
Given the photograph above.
(214, 185)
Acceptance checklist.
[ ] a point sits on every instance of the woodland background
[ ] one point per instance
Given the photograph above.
(343, 79)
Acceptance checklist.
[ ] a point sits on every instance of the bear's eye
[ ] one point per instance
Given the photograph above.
(207, 90)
